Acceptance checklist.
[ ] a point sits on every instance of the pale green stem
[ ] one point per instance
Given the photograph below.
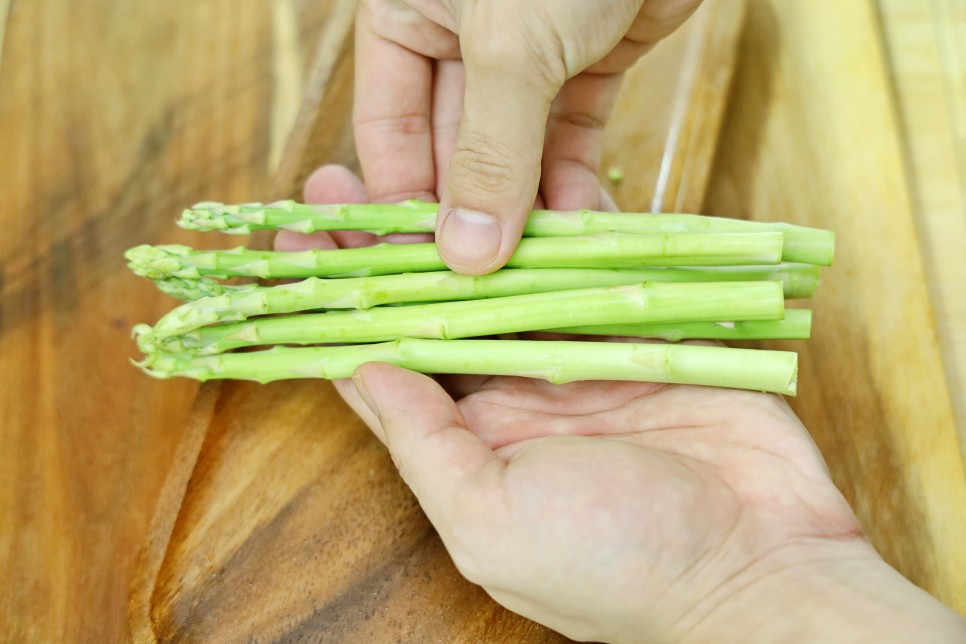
(558, 362)
(599, 251)
(639, 303)
(797, 325)
(240, 303)
(802, 244)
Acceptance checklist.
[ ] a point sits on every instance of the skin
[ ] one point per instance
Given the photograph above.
(608, 511)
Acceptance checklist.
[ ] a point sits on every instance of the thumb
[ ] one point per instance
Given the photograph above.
(494, 173)
(424, 430)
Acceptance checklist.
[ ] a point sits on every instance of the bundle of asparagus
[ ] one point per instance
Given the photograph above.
(668, 277)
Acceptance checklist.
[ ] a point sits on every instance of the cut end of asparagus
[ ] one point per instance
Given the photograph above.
(809, 245)
(792, 388)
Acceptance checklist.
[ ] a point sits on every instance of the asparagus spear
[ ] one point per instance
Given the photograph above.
(558, 362)
(599, 251)
(797, 325)
(802, 244)
(240, 303)
(649, 302)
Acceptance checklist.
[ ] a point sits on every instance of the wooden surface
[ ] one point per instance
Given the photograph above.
(812, 133)
(926, 44)
(115, 115)
(285, 478)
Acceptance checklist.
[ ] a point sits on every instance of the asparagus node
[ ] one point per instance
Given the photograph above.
(802, 244)
(797, 325)
(648, 302)
(600, 251)
(226, 303)
(557, 362)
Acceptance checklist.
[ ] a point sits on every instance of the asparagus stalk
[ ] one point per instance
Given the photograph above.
(601, 251)
(802, 244)
(241, 302)
(797, 325)
(649, 302)
(558, 362)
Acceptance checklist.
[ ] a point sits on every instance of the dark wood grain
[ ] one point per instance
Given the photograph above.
(113, 116)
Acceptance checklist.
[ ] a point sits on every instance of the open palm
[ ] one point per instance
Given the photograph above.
(661, 500)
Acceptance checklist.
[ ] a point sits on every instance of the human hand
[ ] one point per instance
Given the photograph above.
(622, 511)
(540, 79)
(640, 512)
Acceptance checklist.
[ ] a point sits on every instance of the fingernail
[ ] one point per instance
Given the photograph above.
(360, 386)
(470, 238)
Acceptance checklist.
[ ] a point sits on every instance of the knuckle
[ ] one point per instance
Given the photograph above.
(512, 54)
(582, 120)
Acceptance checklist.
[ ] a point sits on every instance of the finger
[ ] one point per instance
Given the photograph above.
(448, 85)
(658, 18)
(391, 115)
(424, 430)
(575, 140)
(328, 184)
(495, 169)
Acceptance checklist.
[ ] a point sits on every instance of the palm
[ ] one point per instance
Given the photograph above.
(674, 480)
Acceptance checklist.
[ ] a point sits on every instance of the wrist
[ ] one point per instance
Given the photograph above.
(839, 591)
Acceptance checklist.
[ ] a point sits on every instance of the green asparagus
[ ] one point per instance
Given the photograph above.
(598, 251)
(558, 362)
(797, 325)
(639, 303)
(240, 303)
(802, 244)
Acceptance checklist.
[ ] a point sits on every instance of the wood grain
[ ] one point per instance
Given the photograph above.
(291, 506)
(811, 137)
(113, 116)
(926, 44)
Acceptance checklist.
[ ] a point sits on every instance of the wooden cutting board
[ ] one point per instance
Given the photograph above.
(283, 519)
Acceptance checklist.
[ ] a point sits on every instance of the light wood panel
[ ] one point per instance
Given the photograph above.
(811, 137)
(926, 44)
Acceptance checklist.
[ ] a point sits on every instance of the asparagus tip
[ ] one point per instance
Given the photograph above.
(160, 262)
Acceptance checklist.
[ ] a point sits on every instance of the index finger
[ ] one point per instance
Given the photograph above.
(391, 116)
